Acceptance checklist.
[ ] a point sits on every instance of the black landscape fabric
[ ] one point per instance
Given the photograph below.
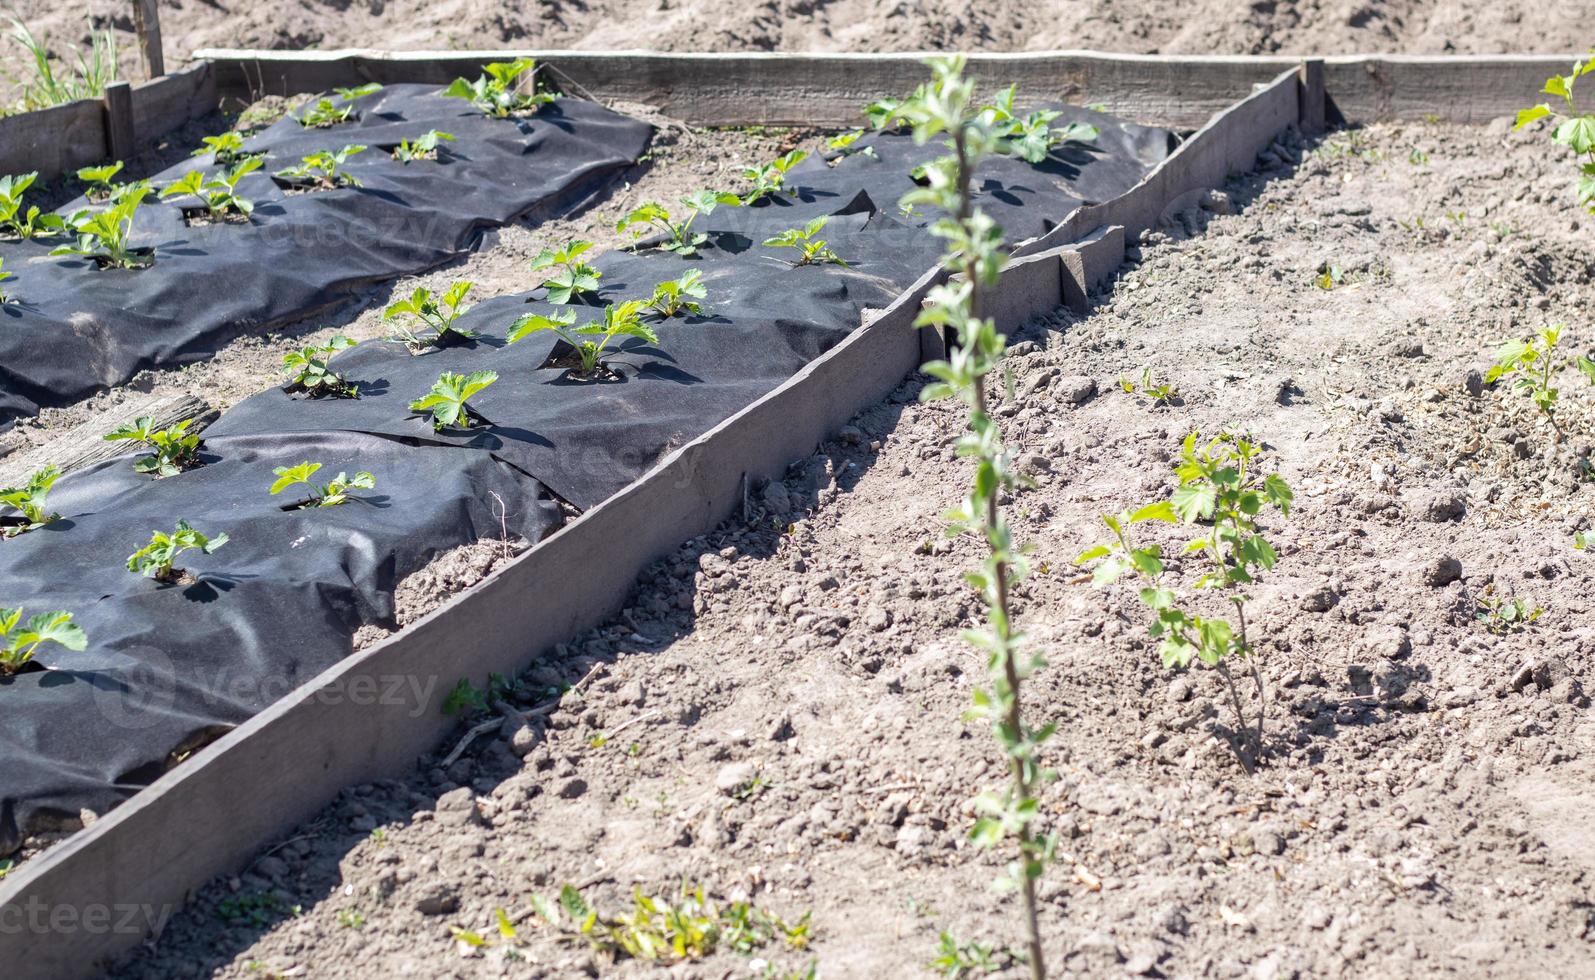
(169, 665)
(73, 328)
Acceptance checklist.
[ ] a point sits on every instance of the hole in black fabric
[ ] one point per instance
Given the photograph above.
(200, 217)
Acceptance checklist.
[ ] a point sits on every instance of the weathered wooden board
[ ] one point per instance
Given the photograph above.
(84, 444)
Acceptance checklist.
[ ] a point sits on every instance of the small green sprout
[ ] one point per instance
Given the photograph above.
(226, 149)
(29, 501)
(105, 235)
(957, 960)
(220, 193)
(1532, 365)
(100, 186)
(465, 699)
(435, 314)
(324, 169)
(446, 402)
(1329, 276)
(321, 495)
(654, 216)
(842, 144)
(1031, 138)
(1159, 394)
(660, 930)
(624, 318)
(768, 178)
(29, 223)
(496, 93)
(1574, 130)
(157, 559)
(324, 112)
(5, 297)
(425, 146)
(173, 450)
(676, 296)
(573, 278)
(17, 646)
(308, 372)
(810, 250)
(1502, 615)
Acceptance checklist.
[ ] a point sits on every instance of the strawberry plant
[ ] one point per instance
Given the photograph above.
(157, 559)
(5, 297)
(810, 250)
(842, 145)
(425, 146)
(446, 402)
(1222, 492)
(653, 216)
(321, 495)
(432, 313)
(226, 149)
(324, 112)
(768, 178)
(676, 296)
(1503, 615)
(622, 319)
(99, 180)
(944, 108)
(17, 645)
(104, 235)
(219, 194)
(497, 93)
(324, 169)
(28, 223)
(1532, 366)
(308, 371)
(1031, 137)
(572, 277)
(28, 501)
(1159, 394)
(172, 450)
(1574, 130)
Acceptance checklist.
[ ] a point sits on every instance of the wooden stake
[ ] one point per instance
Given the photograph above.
(147, 20)
(119, 135)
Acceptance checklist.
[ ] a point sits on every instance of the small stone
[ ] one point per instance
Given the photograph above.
(571, 788)
(1473, 382)
(877, 619)
(1031, 464)
(633, 693)
(1440, 570)
(1389, 642)
(850, 435)
(828, 583)
(457, 807)
(1436, 506)
(735, 776)
(1181, 688)
(1321, 599)
(436, 899)
(776, 498)
(1074, 389)
(1171, 919)
(791, 596)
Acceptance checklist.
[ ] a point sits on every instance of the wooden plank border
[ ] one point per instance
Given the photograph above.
(726, 89)
(67, 913)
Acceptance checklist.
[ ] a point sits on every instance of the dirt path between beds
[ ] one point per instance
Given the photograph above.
(792, 689)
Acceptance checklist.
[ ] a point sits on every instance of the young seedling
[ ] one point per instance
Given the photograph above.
(29, 223)
(622, 319)
(433, 313)
(1159, 394)
(446, 402)
(842, 145)
(957, 961)
(768, 178)
(677, 296)
(425, 147)
(324, 112)
(104, 235)
(18, 645)
(308, 371)
(572, 277)
(99, 181)
(219, 194)
(1532, 365)
(1032, 137)
(1574, 129)
(1505, 614)
(497, 93)
(1220, 491)
(1329, 276)
(662, 930)
(324, 169)
(653, 216)
(944, 109)
(226, 149)
(321, 495)
(5, 297)
(810, 250)
(173, 450)
(29, 502)
(157, 559)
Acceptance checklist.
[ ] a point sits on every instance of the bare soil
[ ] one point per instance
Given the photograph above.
(1147, 26)
(793, 687)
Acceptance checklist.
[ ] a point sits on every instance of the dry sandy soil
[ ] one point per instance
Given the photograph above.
(1150, 26)
(777, 714)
